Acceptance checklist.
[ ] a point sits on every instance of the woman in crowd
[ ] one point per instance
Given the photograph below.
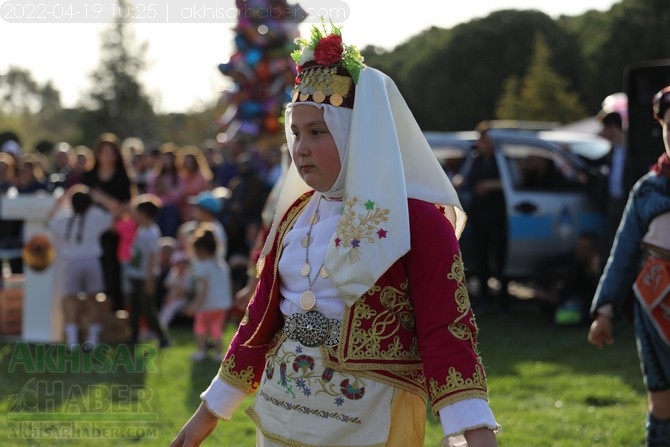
(167, 183)
(197, 177)
(110, 188)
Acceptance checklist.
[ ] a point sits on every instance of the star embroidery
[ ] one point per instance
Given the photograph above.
(381, 233)
(369, 205)
(355, 243)
(337, 241)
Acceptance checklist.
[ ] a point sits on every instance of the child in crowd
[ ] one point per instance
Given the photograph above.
(143, 268)
(77, 231)
(167, 245)
(207, 210)
(213, 296)
(179, 284)
(125, 227)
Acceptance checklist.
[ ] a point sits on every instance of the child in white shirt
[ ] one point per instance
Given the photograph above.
(77, 231)
(213, 298)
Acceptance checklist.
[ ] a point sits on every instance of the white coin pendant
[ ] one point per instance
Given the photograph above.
(306, 241)
(314, 219)
(307, 300)
(305, 269)
(323, 273)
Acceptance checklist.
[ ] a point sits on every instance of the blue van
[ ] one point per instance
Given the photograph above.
(544, 220)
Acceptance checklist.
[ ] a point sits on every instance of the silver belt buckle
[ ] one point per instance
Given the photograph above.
(313, 329)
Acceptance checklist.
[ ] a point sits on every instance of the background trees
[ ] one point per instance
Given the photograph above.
(541, 95)
(490, 67)
(117, 101)
(454, 78)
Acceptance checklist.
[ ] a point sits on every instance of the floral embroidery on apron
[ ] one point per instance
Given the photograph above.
(301, 402)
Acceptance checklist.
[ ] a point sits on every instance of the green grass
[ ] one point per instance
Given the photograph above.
(548, 387)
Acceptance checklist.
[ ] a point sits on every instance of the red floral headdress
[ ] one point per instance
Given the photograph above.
(327, 68)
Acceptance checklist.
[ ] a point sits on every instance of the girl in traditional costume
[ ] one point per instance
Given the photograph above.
(361, 313)
(640, 259)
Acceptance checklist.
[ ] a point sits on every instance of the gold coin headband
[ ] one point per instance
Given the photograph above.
(324, 84)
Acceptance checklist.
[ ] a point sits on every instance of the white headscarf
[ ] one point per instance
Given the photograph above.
(386, 160)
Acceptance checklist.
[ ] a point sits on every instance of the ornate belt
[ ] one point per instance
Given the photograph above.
(313, 329)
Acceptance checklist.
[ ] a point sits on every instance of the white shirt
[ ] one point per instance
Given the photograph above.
(144, 244)
(83, 238)
(216, 276)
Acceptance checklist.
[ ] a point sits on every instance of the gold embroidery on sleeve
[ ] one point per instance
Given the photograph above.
(243, 380)
(455, 382)
(458, 328)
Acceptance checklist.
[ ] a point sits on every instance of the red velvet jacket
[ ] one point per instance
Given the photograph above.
(414, 329)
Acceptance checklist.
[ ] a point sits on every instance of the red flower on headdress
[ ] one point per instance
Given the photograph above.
(329, 50)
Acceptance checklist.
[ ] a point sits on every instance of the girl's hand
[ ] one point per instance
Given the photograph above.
(194, 432)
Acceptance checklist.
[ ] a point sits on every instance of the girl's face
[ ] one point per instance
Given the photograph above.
(314, 151)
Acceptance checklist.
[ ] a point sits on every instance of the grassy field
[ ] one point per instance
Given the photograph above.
(548, 387)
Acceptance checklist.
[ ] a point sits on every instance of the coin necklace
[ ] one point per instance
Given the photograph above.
(308, 299)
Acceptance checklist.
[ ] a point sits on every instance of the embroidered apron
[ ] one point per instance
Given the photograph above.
(302, 403)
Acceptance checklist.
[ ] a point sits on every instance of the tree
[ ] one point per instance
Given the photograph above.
(542, 95)
(633, 30)
(117, 101)
(510, 106)
(452, 79)
(32, 110)
(20, 93)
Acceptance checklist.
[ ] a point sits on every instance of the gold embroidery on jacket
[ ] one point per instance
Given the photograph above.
(367, 340)
(242, 380)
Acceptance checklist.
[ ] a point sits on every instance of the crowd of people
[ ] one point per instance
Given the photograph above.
(146, 213)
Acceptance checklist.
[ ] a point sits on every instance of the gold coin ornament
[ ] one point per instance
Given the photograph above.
(319, 96)
(323, 273)
(307, 300)
(305, 269)
(336, 99)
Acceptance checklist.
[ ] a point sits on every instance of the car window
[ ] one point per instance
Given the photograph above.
(535, 168)
(451, 158)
